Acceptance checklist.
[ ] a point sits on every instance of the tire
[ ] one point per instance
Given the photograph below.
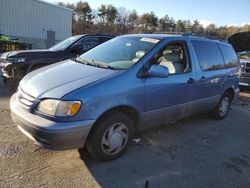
(242, 89)
(110, 137)
(222, 108)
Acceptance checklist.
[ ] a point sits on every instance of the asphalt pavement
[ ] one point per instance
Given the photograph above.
(194, 152)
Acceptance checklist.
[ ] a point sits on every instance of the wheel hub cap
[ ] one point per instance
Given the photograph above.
(224, 106)
(115, 138)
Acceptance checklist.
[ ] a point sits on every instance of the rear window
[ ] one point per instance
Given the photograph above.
(209, 55)
(229, 55)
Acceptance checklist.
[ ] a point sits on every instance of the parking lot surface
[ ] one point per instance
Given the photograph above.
(194, 152)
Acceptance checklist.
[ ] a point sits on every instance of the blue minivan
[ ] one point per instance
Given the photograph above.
(129, 83)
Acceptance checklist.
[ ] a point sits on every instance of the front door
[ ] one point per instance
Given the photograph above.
(174, 97)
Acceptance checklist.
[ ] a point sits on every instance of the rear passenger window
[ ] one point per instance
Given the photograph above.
(209, 55)
(229, 55)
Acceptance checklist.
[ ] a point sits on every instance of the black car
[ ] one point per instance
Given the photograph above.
(16, 64)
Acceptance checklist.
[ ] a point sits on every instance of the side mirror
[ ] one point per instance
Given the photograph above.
(76, 48)
(158, 71)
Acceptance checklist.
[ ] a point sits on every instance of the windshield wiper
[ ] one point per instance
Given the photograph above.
(94, 63)
(84, 61)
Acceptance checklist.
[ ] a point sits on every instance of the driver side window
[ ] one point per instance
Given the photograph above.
(89, 43)
(174, 56)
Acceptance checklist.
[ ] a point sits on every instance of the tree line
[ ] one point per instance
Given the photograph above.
(112, 20)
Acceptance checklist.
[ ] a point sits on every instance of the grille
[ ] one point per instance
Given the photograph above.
(245, 78)
(247, 70)
(24, 98)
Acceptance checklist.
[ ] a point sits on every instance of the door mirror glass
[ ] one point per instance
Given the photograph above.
(89, 43)
(158, 71)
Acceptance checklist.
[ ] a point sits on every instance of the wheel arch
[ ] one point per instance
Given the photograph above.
(128, 110)
(230, 91)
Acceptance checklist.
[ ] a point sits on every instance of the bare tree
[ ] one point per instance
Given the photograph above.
(84, 12)
(149, 22)
(166, 23)
(122, 20)
(109, 19)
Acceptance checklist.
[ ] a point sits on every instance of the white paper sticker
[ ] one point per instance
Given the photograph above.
(150, 40)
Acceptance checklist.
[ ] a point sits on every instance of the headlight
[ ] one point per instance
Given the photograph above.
(16, 59)
(59, 108)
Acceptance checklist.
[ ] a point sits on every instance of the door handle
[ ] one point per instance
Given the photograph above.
(191, 81)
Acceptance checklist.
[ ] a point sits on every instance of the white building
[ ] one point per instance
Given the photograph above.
(37, 22)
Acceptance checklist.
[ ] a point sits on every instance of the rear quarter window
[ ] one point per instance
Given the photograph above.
(229, 55)
(209, 55)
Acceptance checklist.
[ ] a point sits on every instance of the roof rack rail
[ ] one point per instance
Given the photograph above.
(169, 33)
(187, 34)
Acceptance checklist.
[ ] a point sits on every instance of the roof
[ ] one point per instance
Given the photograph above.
(156, 36)
(161, 36)
(55, 5)
(99, 34)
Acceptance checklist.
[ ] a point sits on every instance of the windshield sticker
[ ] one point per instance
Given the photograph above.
(150, 40)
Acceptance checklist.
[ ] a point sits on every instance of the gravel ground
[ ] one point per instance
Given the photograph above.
(194, 152)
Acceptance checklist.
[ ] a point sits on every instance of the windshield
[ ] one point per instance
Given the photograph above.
(244, 55)
(65, 43)
(120, 52)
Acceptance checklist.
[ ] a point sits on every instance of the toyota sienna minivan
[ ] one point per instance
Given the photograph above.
(129, 83)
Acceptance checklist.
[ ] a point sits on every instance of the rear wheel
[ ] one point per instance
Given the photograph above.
(222, 108)
(111, 136)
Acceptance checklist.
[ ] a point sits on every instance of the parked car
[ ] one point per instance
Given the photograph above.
(129, 83)
(245, 69)
(241, 43)
(16, 64)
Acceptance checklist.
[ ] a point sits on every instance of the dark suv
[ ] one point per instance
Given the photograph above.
(16, 64)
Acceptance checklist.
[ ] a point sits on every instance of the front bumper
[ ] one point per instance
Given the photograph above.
(6, 69)
(47, 133)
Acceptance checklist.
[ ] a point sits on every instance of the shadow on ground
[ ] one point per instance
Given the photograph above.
(194, 152)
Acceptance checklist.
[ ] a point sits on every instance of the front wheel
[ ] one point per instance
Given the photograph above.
(222, 108)
(111, 136)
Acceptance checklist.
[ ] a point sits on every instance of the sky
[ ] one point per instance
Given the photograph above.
(219, 12)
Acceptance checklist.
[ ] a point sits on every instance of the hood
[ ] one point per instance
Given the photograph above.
(59, 79)
(240, 41)
(29, 53)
